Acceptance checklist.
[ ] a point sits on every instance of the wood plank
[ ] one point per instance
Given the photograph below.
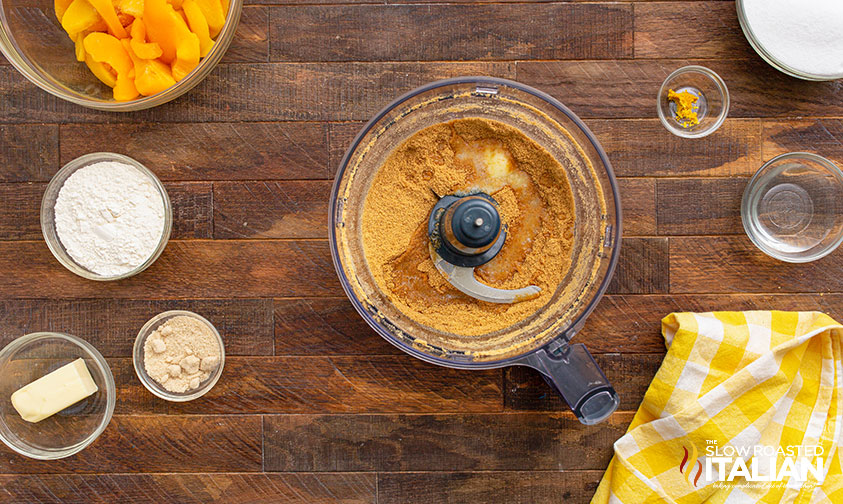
(197, 269)
(642, 268)
(689, 30)
(222, 488)
(628, 89)
(251, 41)
(212, 151)
(20, 210)
(699, 206)
(644, 148)
(526, 390)
(820, 136)
(631, 324)
(134, 444)
(733, 264)
(324, 327)
(429, 33)
(271, 209)
(110, 325)
(359, 384)
(638, 203)
(464, 442)
(30, 152)
(340, 137)
(277, 92)
(512, 487)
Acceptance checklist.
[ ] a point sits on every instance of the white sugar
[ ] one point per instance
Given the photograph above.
(806, 35)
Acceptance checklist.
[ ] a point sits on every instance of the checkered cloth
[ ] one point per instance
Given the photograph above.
(737, 379)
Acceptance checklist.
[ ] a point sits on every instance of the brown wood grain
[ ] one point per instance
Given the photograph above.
(360, 384)
(526, 390)
(821, 136)
(271, 209)
(628, 89)
(732, 264)
(193, 268)
(212, 151)
(638, 203)
(463, 442)
(340, 137)
(29, 152)
(327, 326)
(429, 33)
(643, 267)
(144, 443)
(699, 206)
(644, 148)
(111, 325)
(273, 92)
(689, 30)
(201, 488)
(20, 207)
(515, 487)
(251, 42)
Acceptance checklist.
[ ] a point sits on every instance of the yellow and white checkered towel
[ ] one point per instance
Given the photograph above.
(738, 385)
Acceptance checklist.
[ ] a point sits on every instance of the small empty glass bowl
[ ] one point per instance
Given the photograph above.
(48, 214)
(792, 208)
(150, 383)
(30, 357)
(34, 42)
(712, 105)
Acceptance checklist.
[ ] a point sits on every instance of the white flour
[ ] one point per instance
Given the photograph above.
(109, 217)
(806, 35)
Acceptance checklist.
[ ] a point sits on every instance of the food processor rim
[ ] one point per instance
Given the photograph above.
(616, 233)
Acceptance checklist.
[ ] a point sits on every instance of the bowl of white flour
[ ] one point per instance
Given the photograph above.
(802, 38)
(105, 216)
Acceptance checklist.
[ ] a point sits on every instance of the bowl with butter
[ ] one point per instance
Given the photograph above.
(57, 395)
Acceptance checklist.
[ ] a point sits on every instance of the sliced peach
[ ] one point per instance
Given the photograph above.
(151, 76)
(109, 15)
(105, 48)
(106, 75)
(132, 7)
(187, 57)
(140, 47)
(80, 46)
(198, 25)
(79, 16)
(177, 4)
(61, 6)
(165, 27)
(125, 89)
(214, 15)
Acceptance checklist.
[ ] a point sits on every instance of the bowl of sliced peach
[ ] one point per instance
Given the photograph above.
(117, 55)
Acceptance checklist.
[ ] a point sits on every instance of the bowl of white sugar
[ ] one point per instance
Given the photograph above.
(801, 38)
(105, 216)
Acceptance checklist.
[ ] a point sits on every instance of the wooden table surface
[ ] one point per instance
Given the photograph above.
(313, 406)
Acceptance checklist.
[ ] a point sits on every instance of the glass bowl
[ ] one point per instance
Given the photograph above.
(48, 217)
(152, 385)
(34, 42)
(713, 101)
(30, 357)
(767, 53)
(792, 208)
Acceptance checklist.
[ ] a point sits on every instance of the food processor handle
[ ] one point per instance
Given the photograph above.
(572, 371)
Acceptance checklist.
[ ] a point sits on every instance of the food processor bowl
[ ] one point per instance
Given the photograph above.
(541, 340)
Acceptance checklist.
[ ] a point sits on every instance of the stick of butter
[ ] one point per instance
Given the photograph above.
(54, 392)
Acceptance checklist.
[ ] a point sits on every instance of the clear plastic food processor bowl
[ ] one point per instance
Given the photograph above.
(541, 341)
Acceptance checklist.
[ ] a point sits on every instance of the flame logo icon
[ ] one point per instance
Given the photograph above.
(689, 461)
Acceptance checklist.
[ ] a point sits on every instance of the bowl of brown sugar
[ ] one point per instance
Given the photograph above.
(178, 355)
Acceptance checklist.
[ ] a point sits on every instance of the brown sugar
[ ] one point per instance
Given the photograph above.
(467, 156)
